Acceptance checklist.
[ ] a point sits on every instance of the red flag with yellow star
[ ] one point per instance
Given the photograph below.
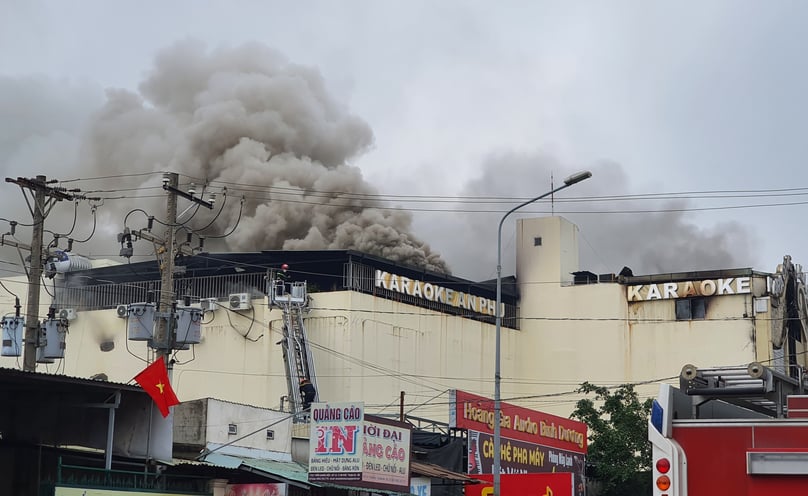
(154, 380)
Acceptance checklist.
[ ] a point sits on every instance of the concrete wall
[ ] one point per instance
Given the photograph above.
(248, 419)
(205, 423)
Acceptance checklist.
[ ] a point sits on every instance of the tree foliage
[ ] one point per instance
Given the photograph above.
(619, 450)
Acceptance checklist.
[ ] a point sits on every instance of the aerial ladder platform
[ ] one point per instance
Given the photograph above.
(293, 300)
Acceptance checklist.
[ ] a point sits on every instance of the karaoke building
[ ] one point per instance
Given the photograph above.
(396, 337)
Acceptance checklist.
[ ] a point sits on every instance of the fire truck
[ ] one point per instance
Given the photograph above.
(730, 430)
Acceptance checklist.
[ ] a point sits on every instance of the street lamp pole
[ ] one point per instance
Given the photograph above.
(573, 179)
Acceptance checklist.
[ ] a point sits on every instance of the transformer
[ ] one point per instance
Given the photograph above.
(140, 321)
(13, 328)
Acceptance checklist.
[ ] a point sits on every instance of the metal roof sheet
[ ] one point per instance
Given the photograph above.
(438, 472)
(221, 460)
(291, 472)
(17, 377)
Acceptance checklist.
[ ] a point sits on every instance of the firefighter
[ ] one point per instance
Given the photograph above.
(279, 284)
(283, 275)
(307, 393)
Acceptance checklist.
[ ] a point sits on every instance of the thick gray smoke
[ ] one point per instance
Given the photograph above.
(268, 128)
(648, 243)
(40, 134)
(247, 117)
(39, 130)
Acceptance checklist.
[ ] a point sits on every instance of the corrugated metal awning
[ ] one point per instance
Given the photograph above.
(297, 474)
(292, 473)
(437, 472)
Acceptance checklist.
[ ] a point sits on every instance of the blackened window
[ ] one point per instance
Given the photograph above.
(537, 241)
(691, 309)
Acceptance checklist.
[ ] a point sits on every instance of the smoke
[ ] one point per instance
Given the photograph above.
(40, 134)
(247, 118)
(661, 241)
(41, 117)
(652, 236)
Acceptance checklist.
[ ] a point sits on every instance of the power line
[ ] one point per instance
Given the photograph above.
(483, 200)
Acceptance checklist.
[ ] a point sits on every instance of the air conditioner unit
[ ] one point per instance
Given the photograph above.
(240, 301)
(208, 304)
(67, 314)
(122, 311)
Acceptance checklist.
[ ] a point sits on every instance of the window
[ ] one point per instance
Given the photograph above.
(537, 241)
(691, 309)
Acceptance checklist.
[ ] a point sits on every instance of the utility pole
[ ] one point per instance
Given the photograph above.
(164, 333)
(43, 199)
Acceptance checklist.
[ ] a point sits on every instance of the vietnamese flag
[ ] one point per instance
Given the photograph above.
(154, 380)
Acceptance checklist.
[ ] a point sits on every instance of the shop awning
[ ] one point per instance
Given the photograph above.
(296, 474)
(437, 472)
(292, 473)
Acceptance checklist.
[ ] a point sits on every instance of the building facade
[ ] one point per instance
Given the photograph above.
(377, 329)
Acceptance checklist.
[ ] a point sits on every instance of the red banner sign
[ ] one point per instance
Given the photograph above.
(519, 457)
(473, 412)
(524, 485)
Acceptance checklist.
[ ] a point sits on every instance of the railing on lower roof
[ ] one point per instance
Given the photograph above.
(102, 296)
(84, 477)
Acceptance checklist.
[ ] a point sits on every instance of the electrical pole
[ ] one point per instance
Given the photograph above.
(34, 275)
(163, 338)
(43, 199)
(164, 332)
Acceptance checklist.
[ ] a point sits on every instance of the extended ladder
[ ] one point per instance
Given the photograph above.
(292, 299)
(754, 387)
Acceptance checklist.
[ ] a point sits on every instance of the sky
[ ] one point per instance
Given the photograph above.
(437, 116)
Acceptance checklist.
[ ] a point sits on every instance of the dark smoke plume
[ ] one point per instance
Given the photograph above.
(247, 117)
(648, 243)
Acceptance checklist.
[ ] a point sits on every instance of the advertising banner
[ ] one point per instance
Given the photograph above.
(268, 489)
(386, 452)
(336, 442)
(524, 485)
(421, 486)
(472, 412)
(347, 447)
(519, 457)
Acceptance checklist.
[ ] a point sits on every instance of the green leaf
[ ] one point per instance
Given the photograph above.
(618, 446)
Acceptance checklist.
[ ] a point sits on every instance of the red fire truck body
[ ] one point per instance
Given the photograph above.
(725, 431)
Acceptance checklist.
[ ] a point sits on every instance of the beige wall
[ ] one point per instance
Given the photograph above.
(383, 347)
(553, 261)
(371, 349)
(364, 347)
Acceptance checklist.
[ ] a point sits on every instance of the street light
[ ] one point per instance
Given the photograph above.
(573, 179)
